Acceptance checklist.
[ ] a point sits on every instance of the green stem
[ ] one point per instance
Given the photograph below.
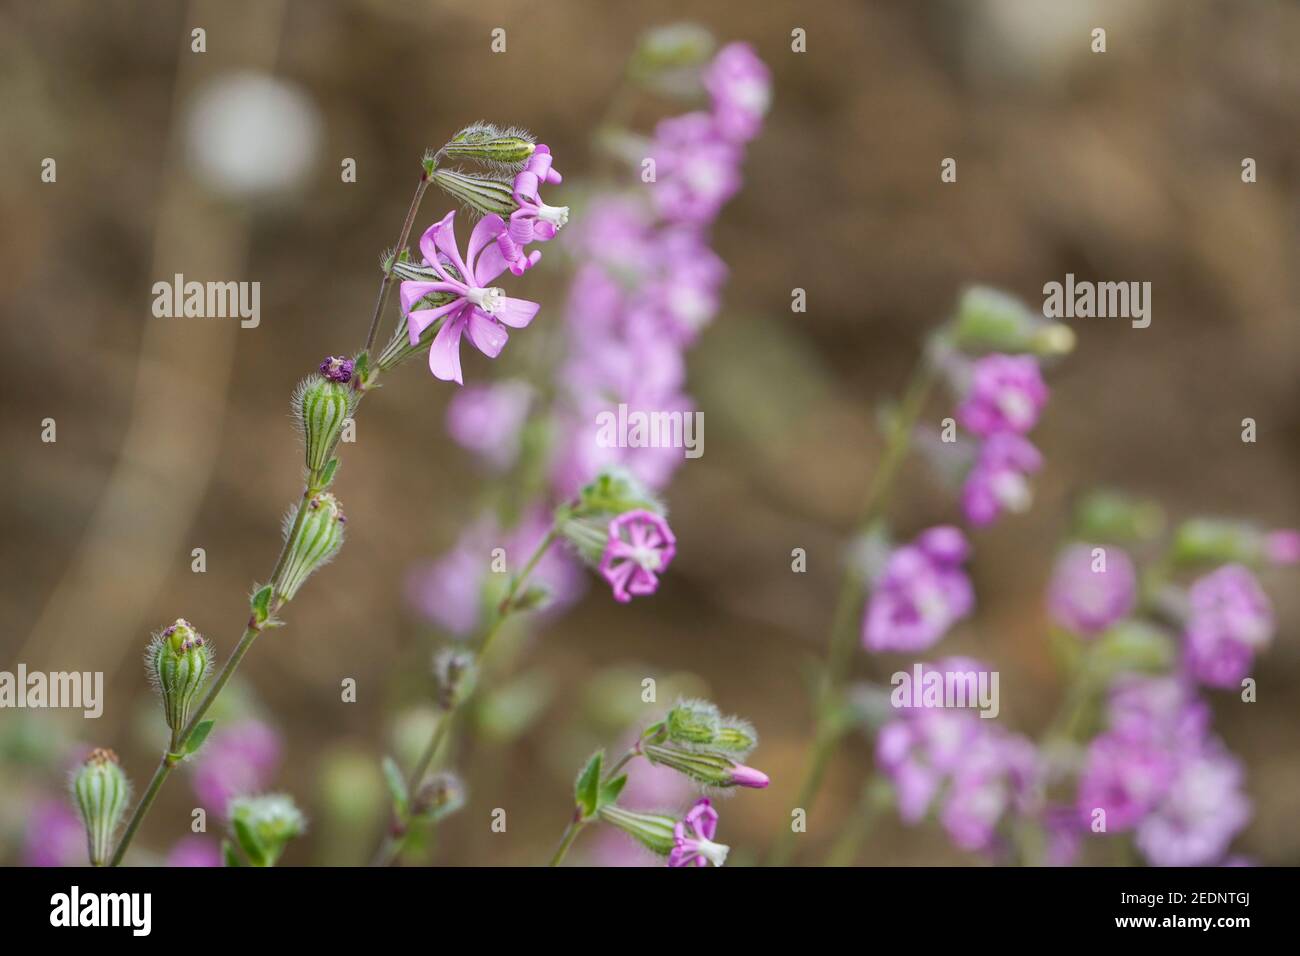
(393, 844)
(571, 832)
(841, 644)
(577, 824)
(387, 284)
(178, 741)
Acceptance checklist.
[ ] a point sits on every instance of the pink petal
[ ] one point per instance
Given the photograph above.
(516, 313)
(429, 241)
(487, 229)
(488, 336)
(417, 322)
(444, 354)
(490, 264)
(412, 292)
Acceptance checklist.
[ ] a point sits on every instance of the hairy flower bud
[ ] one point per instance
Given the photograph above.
(654, 831)
(440, 796)
(321, 405)
(706, 767)
(484, 194)
(736, 736)
(491, 144)
(316, 538)
(179, 661)
(264, 825)
(101, 790)
(692, 722)
(456, 674)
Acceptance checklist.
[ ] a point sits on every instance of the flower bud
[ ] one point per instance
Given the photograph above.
(318, 537)
(988, 320)
(179, 661)
(440, 796)
(483, 194)
(456, 673)
(264, 825)
(322, 404)
(490, 144)
(692, 722)
(1110, 516)
(101, 790)
(1202, 541)
(736, 736)
(710, 769)
(654, 831)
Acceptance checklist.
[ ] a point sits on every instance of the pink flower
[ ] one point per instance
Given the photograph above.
(1282, 546)
(1087, 601)
(741, 87)
(238, 759)
(1230, 619)
(920, 595)
(488, 419)
(697, 170)
(640, 547)
(1006, 394)
(534, 220)
(998, 482)
(693, 836)
(480, 310)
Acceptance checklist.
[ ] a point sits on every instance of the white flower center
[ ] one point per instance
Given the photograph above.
(715, 853)
(1012, 490)
(647, 558)
(1016, 406)
(557, 216)
(488, 300)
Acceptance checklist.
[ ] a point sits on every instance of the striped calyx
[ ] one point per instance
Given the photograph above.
(483, 194)
(179, 661)
(102, 791)
(322, 406)
(490, 144)
(316, 538)
(654, 831)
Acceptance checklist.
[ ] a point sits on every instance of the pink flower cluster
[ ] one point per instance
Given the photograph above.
(1158, 773)
(968, 768)
(649, 281)
(1001, 406)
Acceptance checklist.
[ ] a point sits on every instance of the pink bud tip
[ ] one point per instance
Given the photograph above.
(743, 776)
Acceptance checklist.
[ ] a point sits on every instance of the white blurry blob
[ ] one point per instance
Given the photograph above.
(250, 135)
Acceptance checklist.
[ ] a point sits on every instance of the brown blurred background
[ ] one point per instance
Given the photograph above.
(176, 434)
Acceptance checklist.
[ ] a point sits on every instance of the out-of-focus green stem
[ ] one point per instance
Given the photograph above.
(829, 728)
(395, 840)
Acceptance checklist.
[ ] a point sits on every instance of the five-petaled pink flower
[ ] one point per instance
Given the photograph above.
(640, 546)
(479, 310)
(693, 836)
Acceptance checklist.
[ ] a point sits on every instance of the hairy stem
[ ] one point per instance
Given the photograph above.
(178, 741)
(387, 284)
(829, 728)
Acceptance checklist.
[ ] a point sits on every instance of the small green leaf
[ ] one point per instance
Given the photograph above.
(229, 855)
(587, 789)
(396, 787)
(610, 790)
(261, 603)
(250, 844)
(199, 735)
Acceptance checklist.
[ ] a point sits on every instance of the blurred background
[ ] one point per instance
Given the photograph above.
(174, 435)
